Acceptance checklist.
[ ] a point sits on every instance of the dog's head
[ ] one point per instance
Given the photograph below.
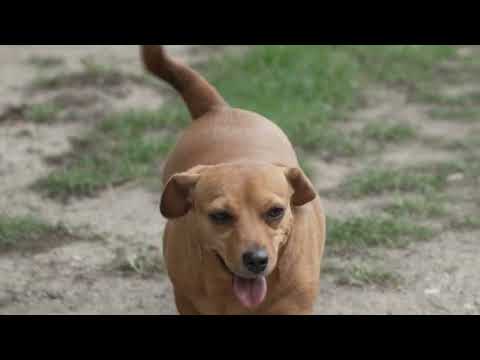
(244, 215)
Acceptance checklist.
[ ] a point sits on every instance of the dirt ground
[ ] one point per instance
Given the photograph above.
(440, 276)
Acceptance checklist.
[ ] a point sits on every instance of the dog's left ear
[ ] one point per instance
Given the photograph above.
(176, 198)
(304, 192)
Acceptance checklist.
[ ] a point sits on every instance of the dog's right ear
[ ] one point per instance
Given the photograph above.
(176, 198)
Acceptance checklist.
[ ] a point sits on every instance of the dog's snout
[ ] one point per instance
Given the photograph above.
(256, 261)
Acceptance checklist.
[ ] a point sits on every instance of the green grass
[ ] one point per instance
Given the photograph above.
(42, 113)
(83, 78)
(367, 276)
(469, 144)
(301, 88)
(45, 62)
(91, 74)
(456, 113)
(467, 165)
(466, 223)
(122, 148)
(388, 133)
(370, 231)
(137, 122)
(402, 64)
(430, 93)
(422, 179)
(379, 181)
(31, 234)
(306, 90)
(424, 206)
(145, 261)
(13, 230)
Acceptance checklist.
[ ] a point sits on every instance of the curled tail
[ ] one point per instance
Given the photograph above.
(199, 96)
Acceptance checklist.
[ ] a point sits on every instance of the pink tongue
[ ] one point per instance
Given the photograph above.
(250, 292)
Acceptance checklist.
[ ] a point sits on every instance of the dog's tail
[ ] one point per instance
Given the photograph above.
(199, 96)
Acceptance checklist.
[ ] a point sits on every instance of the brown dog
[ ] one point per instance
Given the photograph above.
(246, 229)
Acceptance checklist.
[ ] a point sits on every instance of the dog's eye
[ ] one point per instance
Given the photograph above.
(275, 213)
(221, 217)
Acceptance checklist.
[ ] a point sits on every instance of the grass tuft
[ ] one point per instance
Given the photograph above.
(46, 62)
(360, 276)
(121, 149)
(426, 206)
(30, 234)
(379, 181)
(466, 223)
(42, 113)
(388, 133)
(369, 231)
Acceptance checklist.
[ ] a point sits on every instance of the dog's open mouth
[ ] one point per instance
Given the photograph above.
(250, 292)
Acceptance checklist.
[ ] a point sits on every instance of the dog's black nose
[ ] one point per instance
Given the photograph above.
(256, 261)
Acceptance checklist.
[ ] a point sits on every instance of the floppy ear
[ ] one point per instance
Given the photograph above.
(304, 192)
(176, 198)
